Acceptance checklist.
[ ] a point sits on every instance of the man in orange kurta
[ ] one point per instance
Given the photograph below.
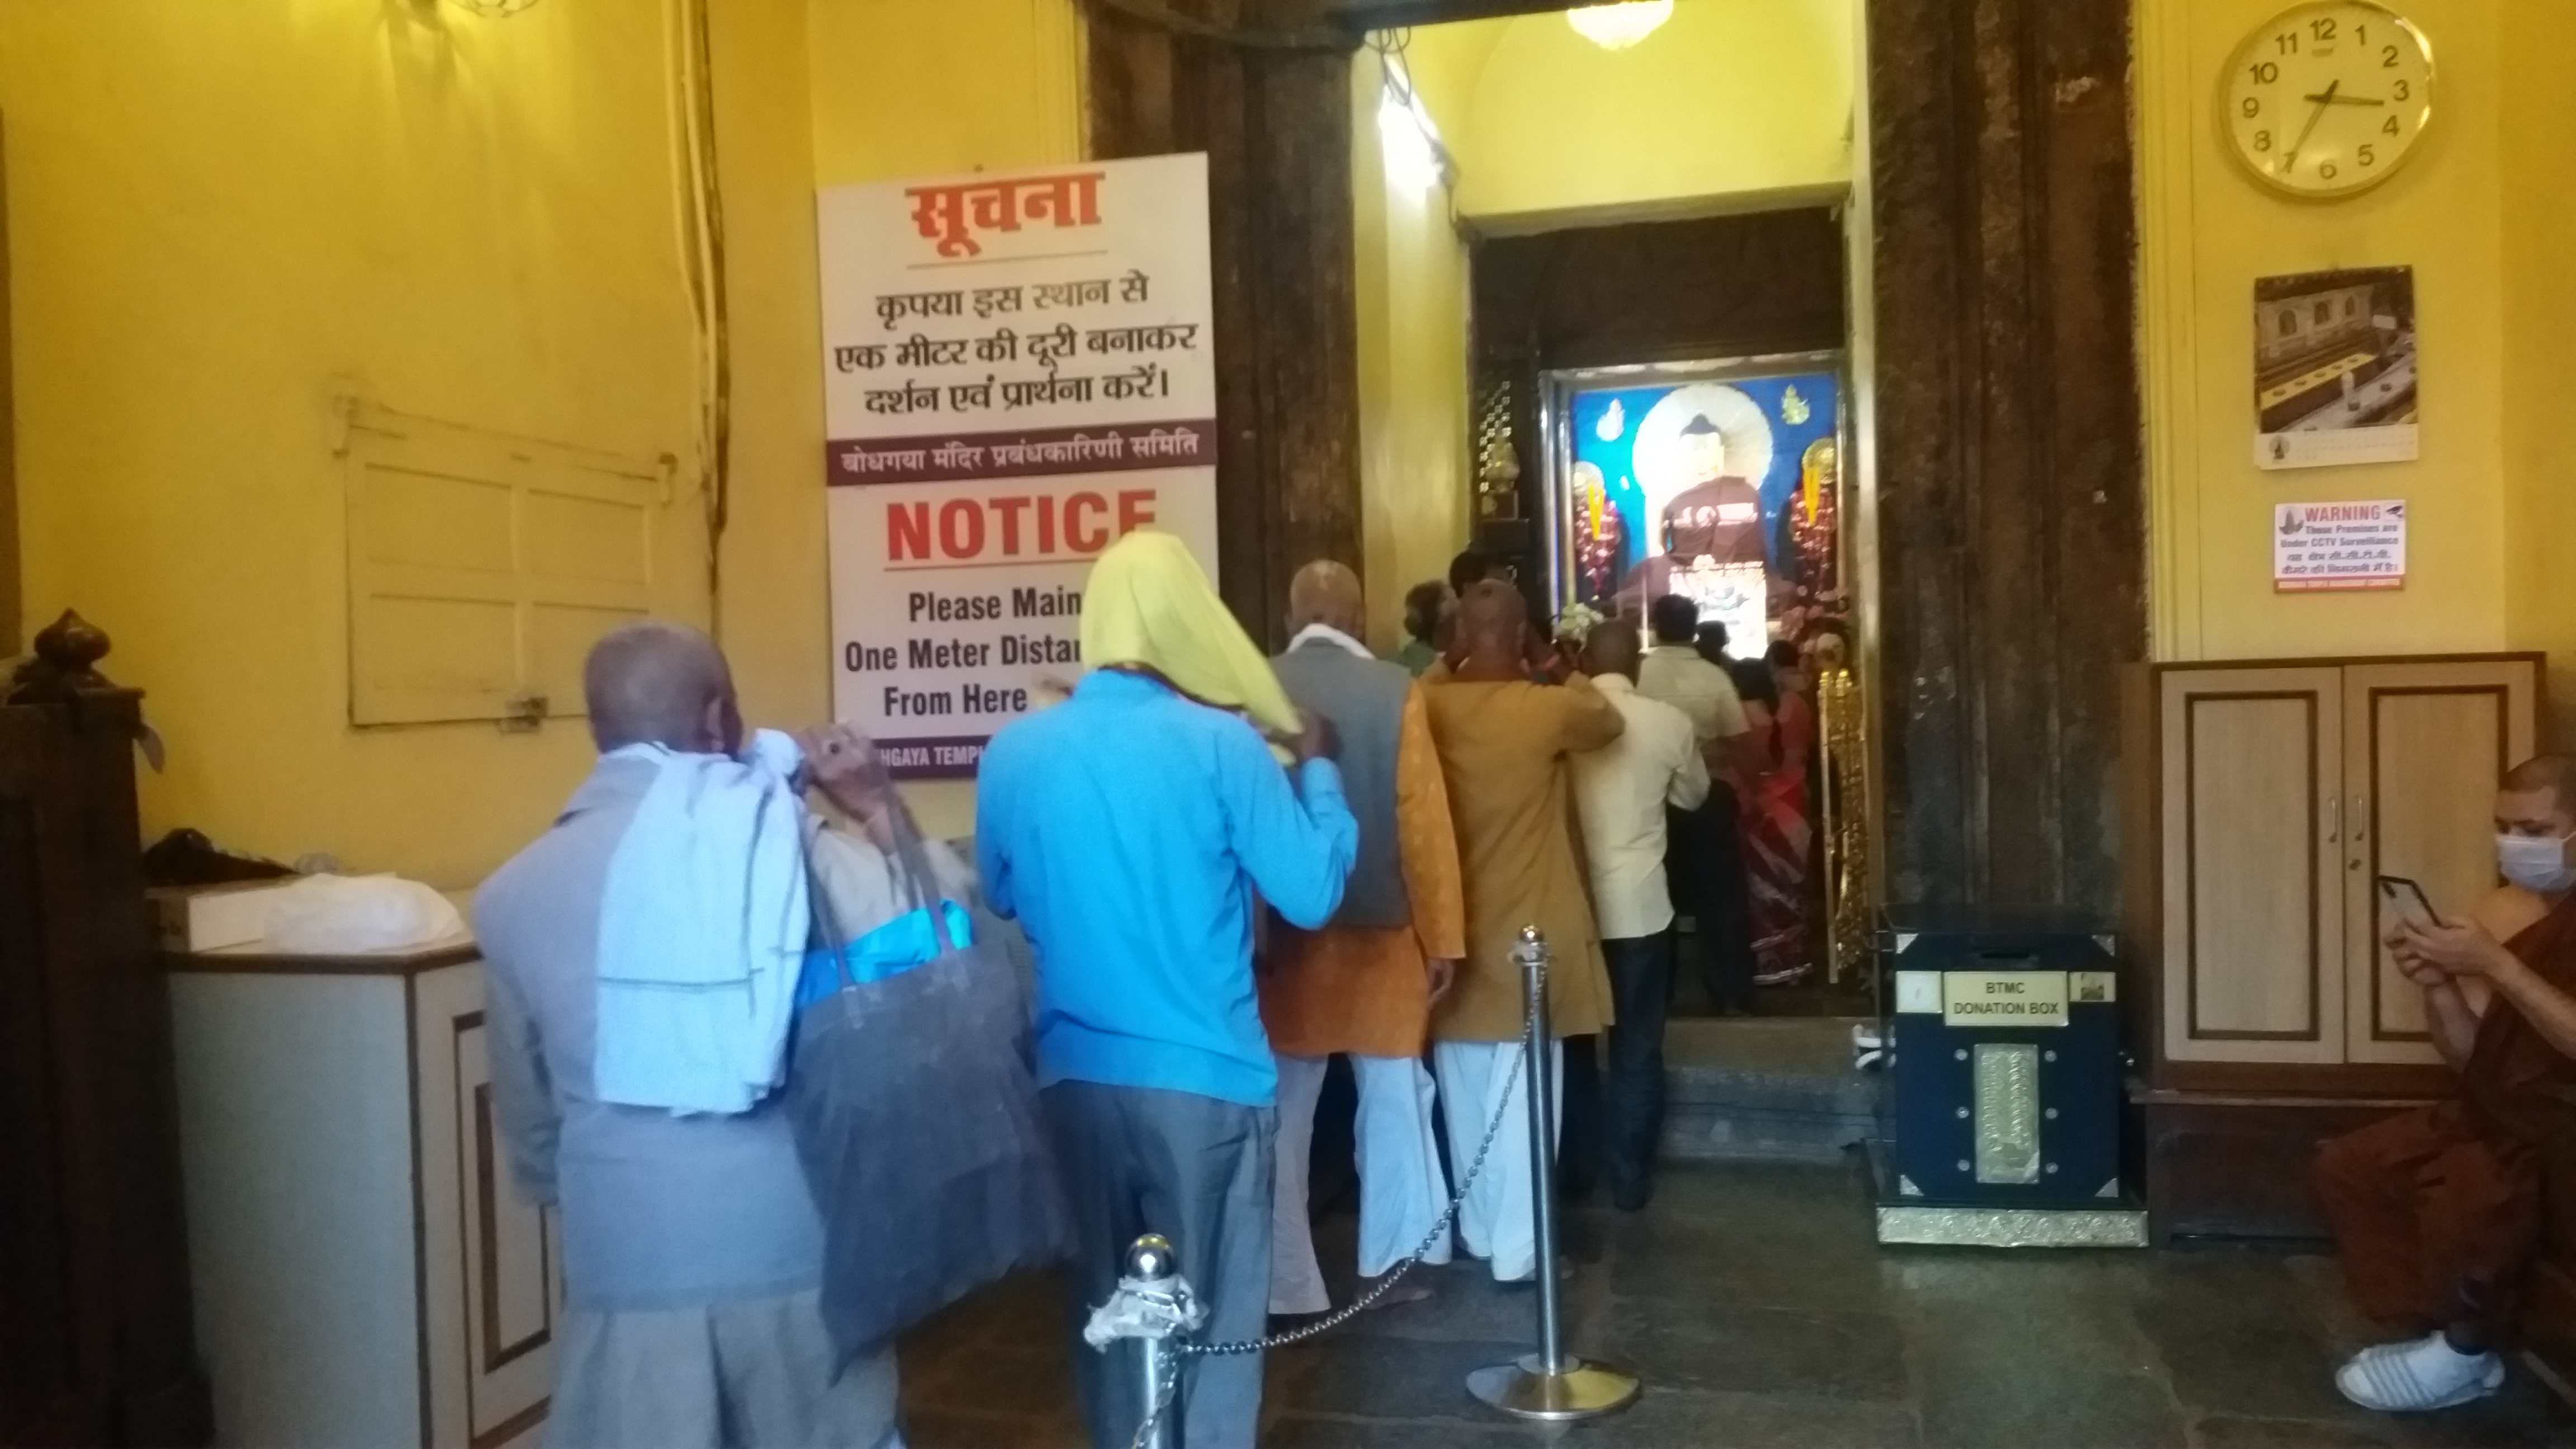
(2436, 1212)
(1505, 750)
(1364, 984)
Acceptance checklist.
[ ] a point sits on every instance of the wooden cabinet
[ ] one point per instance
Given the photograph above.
(97, 1347)
(367, 1275)
(2265, 799)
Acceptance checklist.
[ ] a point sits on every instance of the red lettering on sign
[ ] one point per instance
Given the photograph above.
(1008, 510)
(961, 528)
(1074, 534)
(907, 530)
(1135, 510)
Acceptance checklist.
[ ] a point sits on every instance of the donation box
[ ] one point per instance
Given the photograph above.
(2005, 1032)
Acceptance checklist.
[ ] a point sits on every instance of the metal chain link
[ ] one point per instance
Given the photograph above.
(1387, 1281)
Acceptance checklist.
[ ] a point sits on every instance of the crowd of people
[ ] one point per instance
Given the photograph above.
(1230, 869)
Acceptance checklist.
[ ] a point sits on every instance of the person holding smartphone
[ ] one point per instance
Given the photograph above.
(2436, 1211)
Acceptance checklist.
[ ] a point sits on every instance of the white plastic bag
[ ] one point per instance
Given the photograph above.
(341, 915)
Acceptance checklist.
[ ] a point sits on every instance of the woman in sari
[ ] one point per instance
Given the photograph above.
(1774, 820)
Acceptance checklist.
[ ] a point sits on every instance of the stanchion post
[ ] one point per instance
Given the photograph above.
(1152, 1260)
(1549, 1384)
(1539, 1074)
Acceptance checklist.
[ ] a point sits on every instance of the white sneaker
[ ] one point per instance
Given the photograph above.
(2425, 1374)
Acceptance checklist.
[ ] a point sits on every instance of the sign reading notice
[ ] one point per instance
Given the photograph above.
(2338, 546)
(1017, 370)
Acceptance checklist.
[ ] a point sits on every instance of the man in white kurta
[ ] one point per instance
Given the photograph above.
(1622, 791)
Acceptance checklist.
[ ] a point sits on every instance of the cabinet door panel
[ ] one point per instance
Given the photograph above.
(2253, 968)
(489, 1259)
(2426, 743)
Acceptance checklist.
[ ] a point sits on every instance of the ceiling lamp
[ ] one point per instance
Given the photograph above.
(1616, 27)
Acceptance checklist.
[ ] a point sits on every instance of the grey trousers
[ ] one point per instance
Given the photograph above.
(1199, 1172)
(750, 1375)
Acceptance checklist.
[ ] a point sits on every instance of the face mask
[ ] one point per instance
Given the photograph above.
(2535, 862)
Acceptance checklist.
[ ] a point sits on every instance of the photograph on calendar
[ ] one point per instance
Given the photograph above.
(2334, 368)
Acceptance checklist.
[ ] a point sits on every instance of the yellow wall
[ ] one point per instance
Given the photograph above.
(2539, 124)
(217, 210)
(2207, 233)
(923, 87)
(1411, 288)
(1746, 100)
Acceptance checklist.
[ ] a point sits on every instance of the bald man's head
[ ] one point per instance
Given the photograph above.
(1612, 648)
(1326, 593)
(2538, 797)
(1492, 619)
(660, 683)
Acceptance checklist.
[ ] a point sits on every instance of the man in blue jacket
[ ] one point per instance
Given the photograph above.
(1129, 829)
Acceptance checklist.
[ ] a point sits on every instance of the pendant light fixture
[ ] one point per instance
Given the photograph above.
(1616, 27)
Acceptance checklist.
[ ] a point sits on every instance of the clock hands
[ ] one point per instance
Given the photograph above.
(2290, 161)
(2331, 99)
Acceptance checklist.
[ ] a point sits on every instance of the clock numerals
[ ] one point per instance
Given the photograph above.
(2327, 98)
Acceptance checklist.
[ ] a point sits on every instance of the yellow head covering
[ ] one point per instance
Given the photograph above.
(1149, 603)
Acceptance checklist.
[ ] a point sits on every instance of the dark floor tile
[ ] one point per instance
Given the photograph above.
(2229, 1431)
(2238, 1337)
(1390, 1378)
(1020, 1382)
(1665, 1416)
(1723, 1348)
(1307, 1431)
(943, 1429)
(2052, 1409)
(2525, 1415)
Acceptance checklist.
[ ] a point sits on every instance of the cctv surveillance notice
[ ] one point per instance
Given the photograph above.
(1017, 370)
(2334, 546)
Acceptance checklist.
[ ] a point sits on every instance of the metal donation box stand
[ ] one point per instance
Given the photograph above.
(2005, 1033)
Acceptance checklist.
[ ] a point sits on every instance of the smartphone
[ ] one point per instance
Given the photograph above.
(2406, 898)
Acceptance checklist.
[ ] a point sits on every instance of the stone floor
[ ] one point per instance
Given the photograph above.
(1753, 1301)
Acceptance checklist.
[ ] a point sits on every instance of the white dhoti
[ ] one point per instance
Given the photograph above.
(1478, 1079)
(1401, 1190)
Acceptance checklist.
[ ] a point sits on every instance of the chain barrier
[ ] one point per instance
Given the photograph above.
(1178, 1327)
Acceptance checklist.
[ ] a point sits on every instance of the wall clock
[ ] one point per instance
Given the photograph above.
(2326, 100)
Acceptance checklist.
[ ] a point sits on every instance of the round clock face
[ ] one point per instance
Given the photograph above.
(2327, 99)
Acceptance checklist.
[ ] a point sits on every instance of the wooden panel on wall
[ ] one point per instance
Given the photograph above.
(2012, 536)
(2012, 539)
(1668, 291)
(2254, 916)
(2425, 744)
(1717, 286)
(1274, 120)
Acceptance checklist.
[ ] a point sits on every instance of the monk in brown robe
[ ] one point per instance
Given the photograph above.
(2436, 1211)
(1504, 744)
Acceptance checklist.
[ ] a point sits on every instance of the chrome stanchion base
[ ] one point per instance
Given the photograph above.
(1525, 1389)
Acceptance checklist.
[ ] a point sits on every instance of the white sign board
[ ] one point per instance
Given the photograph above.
(2003, 998)
(2318, 546)
(1017, 370)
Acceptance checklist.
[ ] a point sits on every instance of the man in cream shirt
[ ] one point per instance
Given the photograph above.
(1708, 855)
(1621, 791)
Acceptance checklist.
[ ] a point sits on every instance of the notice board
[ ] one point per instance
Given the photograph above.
(1017, 370)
